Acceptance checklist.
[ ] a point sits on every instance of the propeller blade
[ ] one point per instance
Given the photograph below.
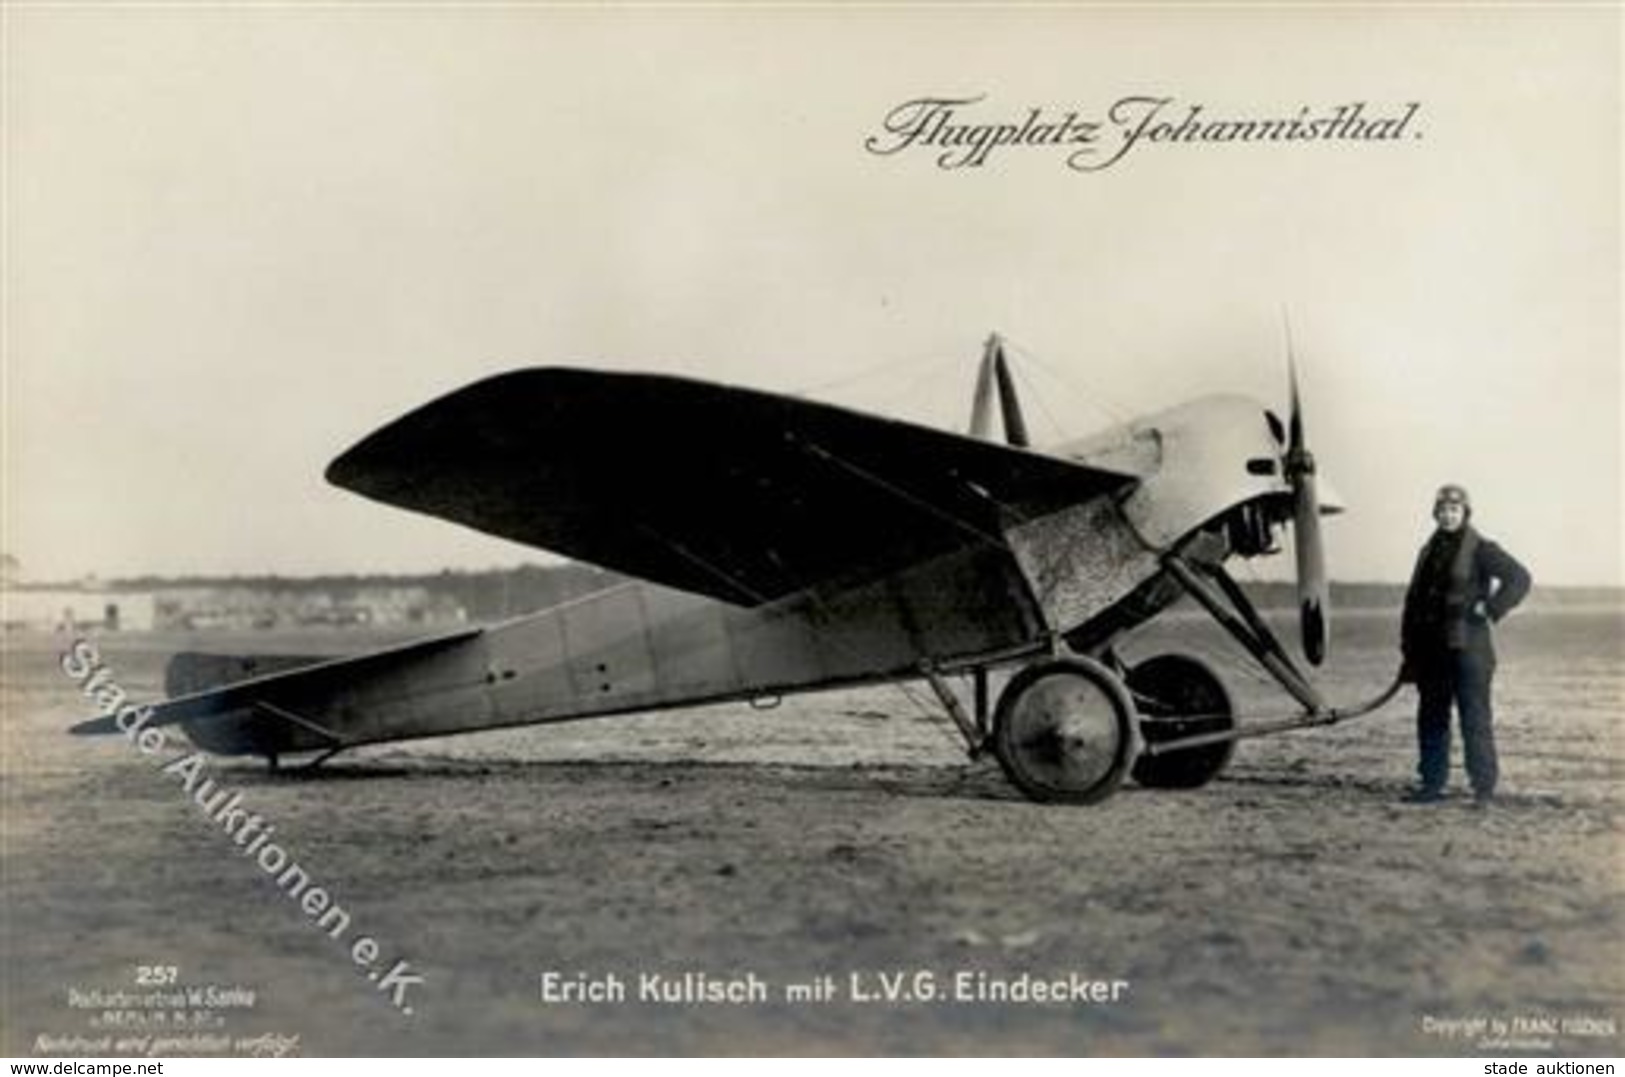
(1294, 430)
(1313, 588)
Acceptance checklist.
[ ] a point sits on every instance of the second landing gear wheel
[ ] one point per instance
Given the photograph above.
(1179, 696)
(1064, 731)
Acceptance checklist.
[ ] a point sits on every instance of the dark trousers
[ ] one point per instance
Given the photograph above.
(1462, 678)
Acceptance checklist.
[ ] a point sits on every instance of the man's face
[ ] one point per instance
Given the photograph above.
(1450, 515)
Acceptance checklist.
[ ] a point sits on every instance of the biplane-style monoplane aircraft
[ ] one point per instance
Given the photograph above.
(781, 545)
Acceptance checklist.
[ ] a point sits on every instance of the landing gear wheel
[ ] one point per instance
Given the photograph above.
(1179, 696)
(1064, 731)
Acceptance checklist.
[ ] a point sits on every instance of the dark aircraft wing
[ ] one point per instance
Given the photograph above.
(733, 493)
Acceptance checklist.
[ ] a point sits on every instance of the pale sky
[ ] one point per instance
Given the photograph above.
(237, 240)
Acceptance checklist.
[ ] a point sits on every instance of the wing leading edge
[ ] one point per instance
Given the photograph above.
(738, 494)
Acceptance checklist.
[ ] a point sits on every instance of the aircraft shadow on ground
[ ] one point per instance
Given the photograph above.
(976, 782)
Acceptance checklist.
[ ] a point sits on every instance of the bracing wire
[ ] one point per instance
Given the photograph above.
(957, 522)
(933, 360)
(1032, 392)
(1075, 384)
(911, 390)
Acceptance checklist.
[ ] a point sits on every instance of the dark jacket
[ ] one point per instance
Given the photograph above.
(1455, 572)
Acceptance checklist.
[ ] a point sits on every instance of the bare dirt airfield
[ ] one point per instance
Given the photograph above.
(1292, 906)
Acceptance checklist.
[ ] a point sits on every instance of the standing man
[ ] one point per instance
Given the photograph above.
(1463, 583)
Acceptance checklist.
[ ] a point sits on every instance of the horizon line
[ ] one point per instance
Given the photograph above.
(81, 582)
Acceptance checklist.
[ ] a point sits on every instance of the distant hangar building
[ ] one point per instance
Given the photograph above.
(69, 609)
